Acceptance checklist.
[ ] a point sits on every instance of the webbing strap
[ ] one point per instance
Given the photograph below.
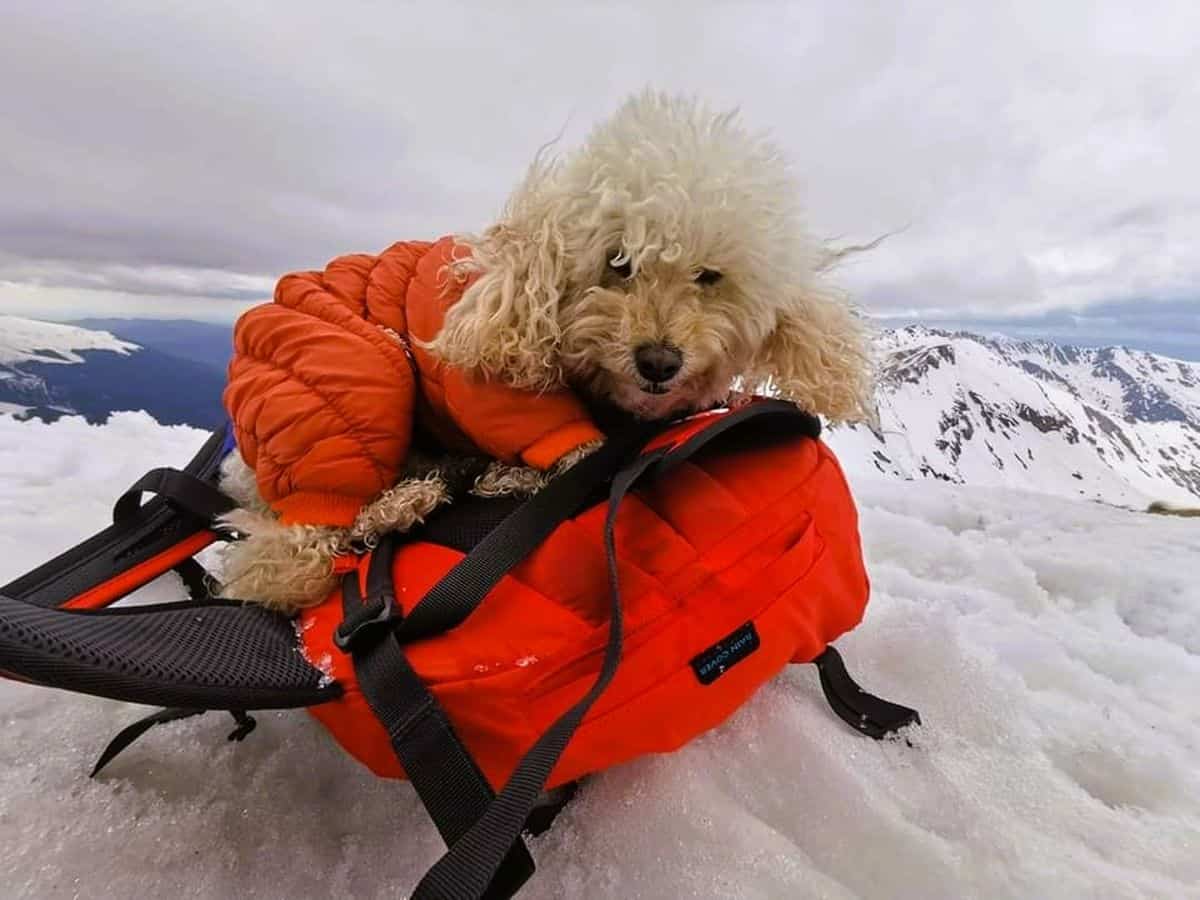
(196, 580)
(195, 495)
(451, 787)
(873, 716)
(465, 871)
(129, 734)
(462, 589)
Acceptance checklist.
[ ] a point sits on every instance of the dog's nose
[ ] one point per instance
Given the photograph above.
(658, 363)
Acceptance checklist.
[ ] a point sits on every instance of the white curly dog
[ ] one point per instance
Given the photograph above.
(661, 267)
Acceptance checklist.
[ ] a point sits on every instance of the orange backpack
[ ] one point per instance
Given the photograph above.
(568, 641)
(506, 648)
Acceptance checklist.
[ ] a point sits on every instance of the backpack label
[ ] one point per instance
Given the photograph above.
(724, 655)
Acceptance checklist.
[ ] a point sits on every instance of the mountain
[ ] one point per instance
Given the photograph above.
(1116, 425)
(1112, 424)
(49, 370)
(202, 342)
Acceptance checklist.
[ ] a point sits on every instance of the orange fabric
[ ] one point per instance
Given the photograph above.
(323, 386)
(547, 450)
(134, 577)
(767, 535)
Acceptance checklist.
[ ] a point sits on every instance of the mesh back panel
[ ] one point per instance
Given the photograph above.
(213, 655)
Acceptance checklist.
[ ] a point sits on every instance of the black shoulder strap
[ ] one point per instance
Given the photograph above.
(466, 870)
(488, 859)
(462, 589)
(443, 773)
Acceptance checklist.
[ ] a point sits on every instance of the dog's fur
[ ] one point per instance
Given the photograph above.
(671, 226)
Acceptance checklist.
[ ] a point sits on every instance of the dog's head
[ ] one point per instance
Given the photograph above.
(655, 267)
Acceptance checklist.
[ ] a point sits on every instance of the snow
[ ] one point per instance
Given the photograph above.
(1052, 646)
(27, 340)
(1111, 424)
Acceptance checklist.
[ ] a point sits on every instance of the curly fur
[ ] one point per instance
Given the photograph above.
(669, 188)
(282, 567)
(239, 484)
(400, 508)
(289, 567)
(594, 255)
(501, 479)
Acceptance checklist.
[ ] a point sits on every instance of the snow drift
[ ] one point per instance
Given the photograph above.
(1051, 645)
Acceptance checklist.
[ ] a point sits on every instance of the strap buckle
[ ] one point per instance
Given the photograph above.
(372, 619)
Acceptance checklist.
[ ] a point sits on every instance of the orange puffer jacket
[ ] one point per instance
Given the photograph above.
(324, 385)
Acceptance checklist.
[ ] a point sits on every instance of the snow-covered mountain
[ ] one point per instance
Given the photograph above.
(48, 370)
(1116, 425)
(1112, 424)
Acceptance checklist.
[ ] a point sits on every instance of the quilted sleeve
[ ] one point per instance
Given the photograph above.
(321, 399)
(512, 425)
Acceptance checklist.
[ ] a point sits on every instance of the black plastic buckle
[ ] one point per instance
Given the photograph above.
(377, 617)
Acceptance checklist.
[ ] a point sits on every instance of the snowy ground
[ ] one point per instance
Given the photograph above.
(1052, 646)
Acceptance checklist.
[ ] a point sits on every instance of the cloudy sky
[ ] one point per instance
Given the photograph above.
(172, 159)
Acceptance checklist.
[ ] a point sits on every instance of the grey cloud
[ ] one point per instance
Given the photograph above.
(1138, 216)
(1041, 152)
(204, 283)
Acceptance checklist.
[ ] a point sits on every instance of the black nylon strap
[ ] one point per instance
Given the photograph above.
(466, 869)
(445, 777)
(873, 716)
(196, 579)
(792, 417)
(193, 494)
(462, 589)
(131, 733)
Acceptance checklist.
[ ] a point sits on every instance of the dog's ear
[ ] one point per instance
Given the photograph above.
(818, 357)
(506, 323)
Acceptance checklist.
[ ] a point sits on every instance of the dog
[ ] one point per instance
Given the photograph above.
(662, 267)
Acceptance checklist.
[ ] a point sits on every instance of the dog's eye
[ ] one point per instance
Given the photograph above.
(708, 276)
(624, 269)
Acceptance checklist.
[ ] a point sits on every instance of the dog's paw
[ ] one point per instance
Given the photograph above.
(282, 567)
(583, 451)
(400, 507)
(504, 480)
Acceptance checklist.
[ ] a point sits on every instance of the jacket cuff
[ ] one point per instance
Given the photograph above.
(549, 449)
(314, 508)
